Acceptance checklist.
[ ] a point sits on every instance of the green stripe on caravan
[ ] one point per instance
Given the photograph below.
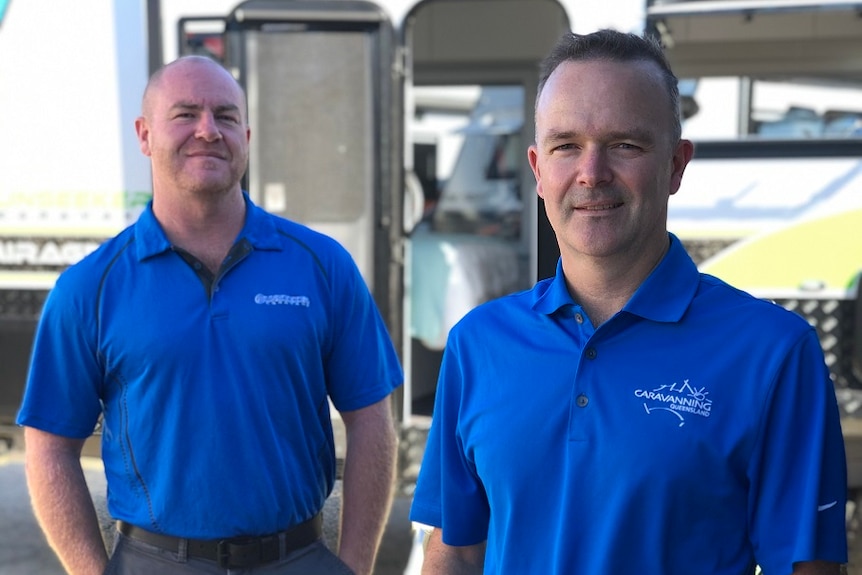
(822, 252)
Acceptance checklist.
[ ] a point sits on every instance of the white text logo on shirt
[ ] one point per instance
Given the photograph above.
(677, 399)
(282, 299)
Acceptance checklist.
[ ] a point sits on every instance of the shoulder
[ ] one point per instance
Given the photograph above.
(499, 315)
(719, 299)
(76, 290)
(90, 270)
(303, 237)
(311, 250)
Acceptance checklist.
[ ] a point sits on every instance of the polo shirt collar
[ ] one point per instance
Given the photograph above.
(259, 229)
(150, 238)
(664, 296)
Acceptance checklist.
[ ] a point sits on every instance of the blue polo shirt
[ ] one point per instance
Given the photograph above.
(695, 431)
(216, 418)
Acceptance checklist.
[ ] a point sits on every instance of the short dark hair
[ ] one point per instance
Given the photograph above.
(619, 47)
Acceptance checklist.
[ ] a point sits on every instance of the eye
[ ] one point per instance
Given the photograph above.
(627, 147)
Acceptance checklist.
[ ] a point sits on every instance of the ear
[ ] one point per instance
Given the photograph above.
(143, 132)
(681, 157)
(533, 158)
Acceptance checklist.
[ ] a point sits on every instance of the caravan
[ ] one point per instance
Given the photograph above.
(400, 128)
(432, 102)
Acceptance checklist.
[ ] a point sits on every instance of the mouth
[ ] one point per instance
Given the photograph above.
(206, 154)
(598, 207)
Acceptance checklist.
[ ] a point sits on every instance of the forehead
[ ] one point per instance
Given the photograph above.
(604, 92)
(198, 83)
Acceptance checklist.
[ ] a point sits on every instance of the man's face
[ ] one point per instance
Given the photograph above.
(603, 160)
(194, 129)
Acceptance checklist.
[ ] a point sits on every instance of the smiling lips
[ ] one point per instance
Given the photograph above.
(206, 154)
(598, 207)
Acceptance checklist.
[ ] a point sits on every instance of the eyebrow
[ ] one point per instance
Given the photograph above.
(635, 134)
(197, 107)
(559, 135)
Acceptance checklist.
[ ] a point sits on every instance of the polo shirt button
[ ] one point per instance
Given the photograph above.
(591, 353)
(579, 318)
(582, 400)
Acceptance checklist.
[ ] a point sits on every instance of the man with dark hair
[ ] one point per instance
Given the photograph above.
(629, 415)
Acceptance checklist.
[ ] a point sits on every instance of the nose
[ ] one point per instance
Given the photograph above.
(593, 167)
(207, 128)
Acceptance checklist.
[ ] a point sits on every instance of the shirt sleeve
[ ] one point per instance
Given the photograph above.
(449, 492)
(362, 366)
(798, 470)
(65, 377)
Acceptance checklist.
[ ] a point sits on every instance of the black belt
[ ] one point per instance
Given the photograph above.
(236, 551)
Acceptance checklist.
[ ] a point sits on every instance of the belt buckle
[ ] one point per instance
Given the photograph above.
(240, 552)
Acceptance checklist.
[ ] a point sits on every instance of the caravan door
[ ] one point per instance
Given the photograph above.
(324, 111)
(363, 112)
(472, 74)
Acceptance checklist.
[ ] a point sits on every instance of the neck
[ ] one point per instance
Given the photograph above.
(206, 229)
(603, 285)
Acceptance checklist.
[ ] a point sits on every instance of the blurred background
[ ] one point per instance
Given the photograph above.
(399, 127)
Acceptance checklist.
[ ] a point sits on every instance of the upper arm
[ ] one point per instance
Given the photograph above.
(818, 568)
(370, 434)
(41, 443)
(376, 414)
(441, 558)
(50, 459)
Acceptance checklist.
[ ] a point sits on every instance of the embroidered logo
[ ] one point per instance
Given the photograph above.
(281, 299)
(677, 399)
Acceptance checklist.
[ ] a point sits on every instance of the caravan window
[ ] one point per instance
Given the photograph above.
(744, 108)
(473, 134)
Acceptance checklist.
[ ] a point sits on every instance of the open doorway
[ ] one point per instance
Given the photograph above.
(469, 103)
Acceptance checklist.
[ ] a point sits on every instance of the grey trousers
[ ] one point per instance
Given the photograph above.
(132, 557)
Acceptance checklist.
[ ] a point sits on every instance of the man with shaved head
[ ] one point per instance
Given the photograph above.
(210, 336)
